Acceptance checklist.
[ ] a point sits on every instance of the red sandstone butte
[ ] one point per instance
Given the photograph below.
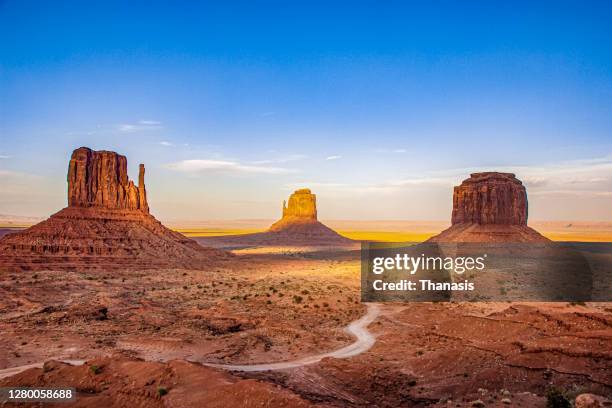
(298, 227)
(107, 225)
(489, 207)
(300, 221)
(99, 179)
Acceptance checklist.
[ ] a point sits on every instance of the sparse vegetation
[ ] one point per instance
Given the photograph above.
(556, 398)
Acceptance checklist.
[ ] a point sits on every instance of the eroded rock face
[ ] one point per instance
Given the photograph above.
(107, 225)
(489, 207)
(302, 204)
(99, 179)
(490, 198)
(299, 223)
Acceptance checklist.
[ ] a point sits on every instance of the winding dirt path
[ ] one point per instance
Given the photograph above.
(358, 328)
(11, 371)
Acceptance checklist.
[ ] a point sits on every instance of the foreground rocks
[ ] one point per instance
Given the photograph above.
(122, 382)
(107, 225)
(489, 207)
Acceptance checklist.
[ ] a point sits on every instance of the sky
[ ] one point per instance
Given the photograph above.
(379, 108)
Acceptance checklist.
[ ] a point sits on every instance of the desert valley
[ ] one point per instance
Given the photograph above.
(104, 298)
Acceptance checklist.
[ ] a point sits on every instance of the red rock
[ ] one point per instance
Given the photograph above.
(297, 227)
(99, 179)
(299, 221)
(489, 207)
(490, 198)
(302, 204)
(107, 225)
(591, 401)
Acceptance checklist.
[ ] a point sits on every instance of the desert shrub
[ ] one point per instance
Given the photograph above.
(161, 391)
(95, 369)
(556, 398)
(297, 299)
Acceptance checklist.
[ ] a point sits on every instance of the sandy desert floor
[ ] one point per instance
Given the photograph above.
(290, 304)
(398, 230)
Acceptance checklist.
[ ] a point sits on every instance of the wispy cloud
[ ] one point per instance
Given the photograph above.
(391, 151)
(334, 157)
(141, 125)
(226, 166)
(166, 143)
(281, 159)
(4, 156)
(586, 178)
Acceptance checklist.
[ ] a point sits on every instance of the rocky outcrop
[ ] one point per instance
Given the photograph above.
(298, 226)
(489, 207)
(100, 179)
(302, 204)
(490, 198)
(299, 221)
(300, 210)
(107, 225)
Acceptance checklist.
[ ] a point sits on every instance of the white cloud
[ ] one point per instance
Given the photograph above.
(282, 159)
(586, 178)
(335, 157)
(166, 143)
(4, 156)
(205, 165)
(391, 151)
(141, 125)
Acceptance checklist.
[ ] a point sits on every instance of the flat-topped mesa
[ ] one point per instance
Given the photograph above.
(100, 179)
(489, 207)
(490, 198)
(302, 204)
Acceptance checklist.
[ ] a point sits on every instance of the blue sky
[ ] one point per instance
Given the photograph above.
(380, 109)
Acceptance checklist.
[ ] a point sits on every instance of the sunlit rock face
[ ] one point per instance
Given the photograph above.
(107, 225)
(100, 179)
(299, 221)
(302, 204)
(299, 213)
(490, 198)
(489, 207)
